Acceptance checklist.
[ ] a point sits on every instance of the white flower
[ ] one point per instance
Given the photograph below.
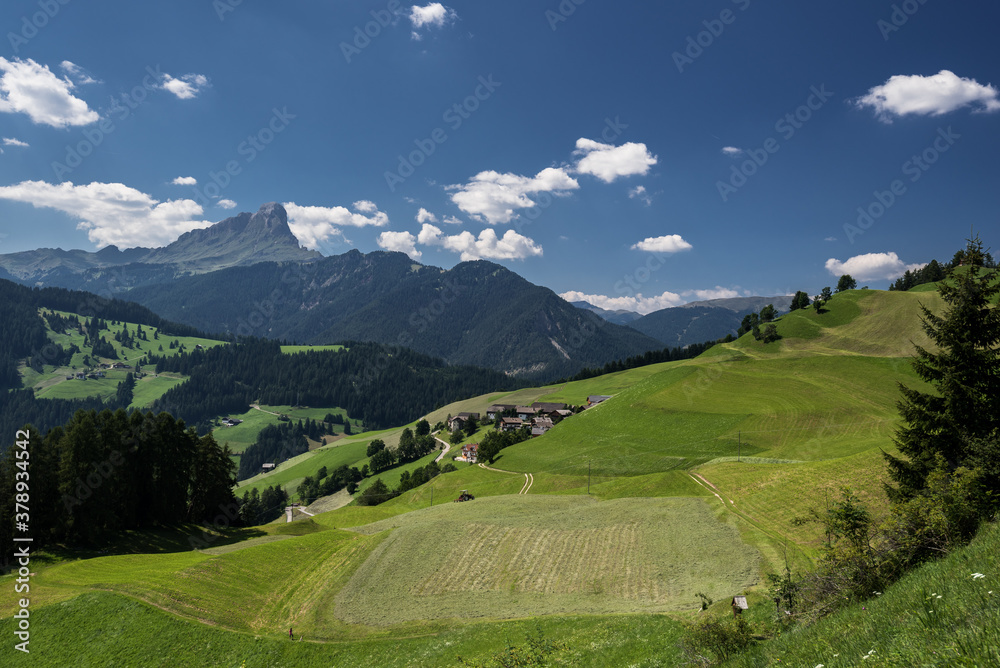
(976, 576)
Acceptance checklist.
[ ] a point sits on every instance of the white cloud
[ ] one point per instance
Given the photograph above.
(10, 141)
(186, 87)
(433, 15)
(608, 162)
(226, 204)
(404, 242)
(670, 243)
(870, 266)
(638, 303)
(830, 239)
(451, 220)
(78, 75)
(718, 292)
(511, 246)
(639, 192)
(732, 150)
(928, 96)
(185, 181)
(493, 197)
(113, 213)
(315, 224)
(425, 216)
(29, 88)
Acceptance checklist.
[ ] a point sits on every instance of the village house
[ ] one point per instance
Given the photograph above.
(548, 409)
(498, 409)
(511, 424)
(595, 399)
(232, 422)
(526, 412)
(470, 452)
(460, 420)
(267, 467)
(540, 425)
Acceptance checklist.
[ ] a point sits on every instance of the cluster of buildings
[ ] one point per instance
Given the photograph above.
(539, 416)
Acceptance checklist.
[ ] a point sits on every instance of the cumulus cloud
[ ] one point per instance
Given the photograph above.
(639, 193)
(404, 242)
(433, 15)
(113, 213)
(638, 303)
(608, 162)
(313, 225)
(718, 292)
(186, 87)
(870, 266)
(928, 96)
(670, 243)
(29, 88)
(732, 150)
(185, 181)
(226, 204)
(495, 197)
(487, 246)
(425, 216)
(451, 220)
(10, 141)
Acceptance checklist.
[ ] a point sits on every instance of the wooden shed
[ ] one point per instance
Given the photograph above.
(739, 605)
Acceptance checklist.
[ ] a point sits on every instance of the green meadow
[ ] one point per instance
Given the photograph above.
(689, 480)
(55, 382)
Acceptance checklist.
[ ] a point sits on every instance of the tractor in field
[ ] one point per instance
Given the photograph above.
(464, 496)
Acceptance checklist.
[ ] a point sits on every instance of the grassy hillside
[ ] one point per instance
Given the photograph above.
(687, 480)
(54, 382)
(942, 614)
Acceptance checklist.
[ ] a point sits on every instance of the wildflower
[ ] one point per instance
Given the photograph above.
(939, 596)
(976, 576)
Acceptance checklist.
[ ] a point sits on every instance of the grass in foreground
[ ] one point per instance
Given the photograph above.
(942, 614)
(105, 629)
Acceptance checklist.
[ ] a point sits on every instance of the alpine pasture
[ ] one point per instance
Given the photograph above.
(689, 480)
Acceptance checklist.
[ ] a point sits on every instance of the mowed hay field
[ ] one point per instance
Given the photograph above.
(519, 556)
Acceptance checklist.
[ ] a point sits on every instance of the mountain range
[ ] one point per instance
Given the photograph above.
(248, 276)
(241, 240)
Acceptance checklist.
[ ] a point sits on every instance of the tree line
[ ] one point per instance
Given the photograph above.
(276, 443)
(106, 472)
(381, 385)
(651, 357)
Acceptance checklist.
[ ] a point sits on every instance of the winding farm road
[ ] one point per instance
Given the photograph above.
(529, 479)
(447, 446)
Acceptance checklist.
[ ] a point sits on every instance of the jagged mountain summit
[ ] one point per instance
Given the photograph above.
(241, 240)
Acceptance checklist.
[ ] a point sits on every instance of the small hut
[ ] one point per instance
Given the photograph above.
(739, 605)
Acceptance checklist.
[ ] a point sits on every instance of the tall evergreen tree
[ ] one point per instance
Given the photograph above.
(963, 414)
(213, 475)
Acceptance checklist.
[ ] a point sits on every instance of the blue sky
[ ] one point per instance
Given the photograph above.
(642, 154)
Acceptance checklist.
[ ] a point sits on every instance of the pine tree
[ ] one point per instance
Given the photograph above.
(963, 415)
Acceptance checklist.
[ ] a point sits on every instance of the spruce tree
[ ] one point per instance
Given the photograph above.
(962, 415)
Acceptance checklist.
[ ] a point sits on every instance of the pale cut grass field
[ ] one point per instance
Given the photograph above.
(509, 557)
